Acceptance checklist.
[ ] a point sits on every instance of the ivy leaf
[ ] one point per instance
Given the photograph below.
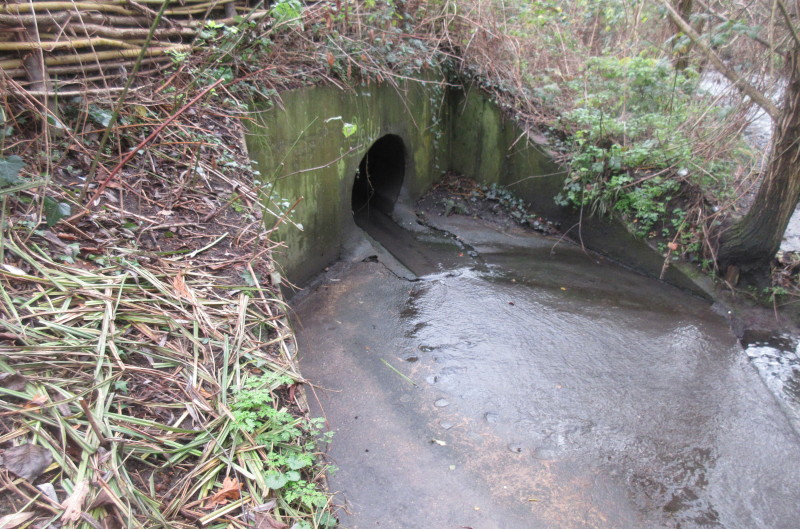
(99, 115)
(56, 123)
(55, 211)
(249, 279)
(275, 480)
(9, 170)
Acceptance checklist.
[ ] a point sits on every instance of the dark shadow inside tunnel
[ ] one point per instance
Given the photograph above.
(379, 178)
(376, 188)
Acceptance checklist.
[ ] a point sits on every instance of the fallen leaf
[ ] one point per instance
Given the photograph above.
(266, 506)
(331, 59)
(39, 400)
(231, 489)
(14, 270)
(180, 286)
(265, 521)
(73, 506)
(12, 381)
(672, 246)
(26, 461)
(49, 491)
(10, 336)
(103, 499)
(10, 521)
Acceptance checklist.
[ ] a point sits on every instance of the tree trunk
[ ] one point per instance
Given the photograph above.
(751, 243)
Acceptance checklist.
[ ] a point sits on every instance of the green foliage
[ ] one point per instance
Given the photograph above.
(9, 170)
(254, 412)
(724, 32)
(287, 12)
(290, 440)
(629, 147)
(11, 182)
(772, 293)
(55, 211)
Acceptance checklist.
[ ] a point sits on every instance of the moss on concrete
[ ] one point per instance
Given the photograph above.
(304, 153)
(303, 150)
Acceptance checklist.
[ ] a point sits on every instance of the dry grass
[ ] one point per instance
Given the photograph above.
(129, 332)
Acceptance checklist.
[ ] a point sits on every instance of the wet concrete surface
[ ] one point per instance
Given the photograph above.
(528, 384)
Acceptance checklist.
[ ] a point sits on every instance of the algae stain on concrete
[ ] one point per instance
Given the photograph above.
(302, 150)
(304, 155)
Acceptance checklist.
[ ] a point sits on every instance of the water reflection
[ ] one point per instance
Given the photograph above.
(552, 390)
(775, 355)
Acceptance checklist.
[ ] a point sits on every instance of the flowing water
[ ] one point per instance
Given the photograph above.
(521, 383)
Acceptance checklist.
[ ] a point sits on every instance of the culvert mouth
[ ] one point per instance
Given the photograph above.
(379, 178)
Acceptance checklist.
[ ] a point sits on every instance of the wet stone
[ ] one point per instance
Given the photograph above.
(446, 425)
(412, 358)
(441, 403)
(425, 348)
(432, 379)
(491, 417)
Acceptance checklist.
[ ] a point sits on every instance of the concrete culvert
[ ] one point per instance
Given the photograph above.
(379, 177)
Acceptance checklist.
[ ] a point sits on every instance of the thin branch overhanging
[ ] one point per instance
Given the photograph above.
(738, 81)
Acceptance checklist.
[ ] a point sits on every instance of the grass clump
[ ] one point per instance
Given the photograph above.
(162, 397)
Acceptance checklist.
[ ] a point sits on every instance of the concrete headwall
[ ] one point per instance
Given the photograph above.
(309, 146)
(303, 150)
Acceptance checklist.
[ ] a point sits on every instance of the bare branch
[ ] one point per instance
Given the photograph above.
(738, 81)
(789, 23)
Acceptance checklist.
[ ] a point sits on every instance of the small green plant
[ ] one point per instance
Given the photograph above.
(288, 12)
(774, 292)
(291, 440)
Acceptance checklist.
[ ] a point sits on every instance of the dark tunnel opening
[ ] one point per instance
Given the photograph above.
(379, 178)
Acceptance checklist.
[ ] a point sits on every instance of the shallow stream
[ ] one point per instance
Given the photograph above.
(521, 382)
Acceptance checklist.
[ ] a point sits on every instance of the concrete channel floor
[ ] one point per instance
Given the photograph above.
(530, 385)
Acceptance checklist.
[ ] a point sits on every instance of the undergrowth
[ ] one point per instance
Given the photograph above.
(631, 151)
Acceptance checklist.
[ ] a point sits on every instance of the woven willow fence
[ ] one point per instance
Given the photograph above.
(53, 46)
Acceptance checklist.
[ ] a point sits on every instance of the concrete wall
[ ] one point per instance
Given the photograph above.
(488, 146)
(302, 151)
